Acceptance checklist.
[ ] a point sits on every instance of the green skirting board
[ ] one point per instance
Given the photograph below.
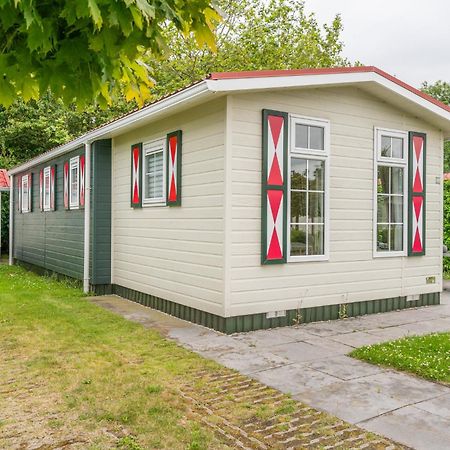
(260, 321)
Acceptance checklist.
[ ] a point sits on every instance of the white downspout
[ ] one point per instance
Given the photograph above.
(11, 219)
(87, 214)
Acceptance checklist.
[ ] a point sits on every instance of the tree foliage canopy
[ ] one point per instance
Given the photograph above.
(441, 91)
(89, 50)
(254, 35)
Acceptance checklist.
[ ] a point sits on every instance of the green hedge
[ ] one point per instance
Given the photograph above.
(447, 224)
(5, 222)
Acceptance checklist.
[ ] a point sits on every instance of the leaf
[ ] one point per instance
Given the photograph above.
(95, 13)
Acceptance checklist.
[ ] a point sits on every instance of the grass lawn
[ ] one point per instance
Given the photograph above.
(76, 376)
(427, 356)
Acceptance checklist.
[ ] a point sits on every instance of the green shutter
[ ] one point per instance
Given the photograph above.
(417, 194)
(173, 168)
(136, 175)
(274, 187)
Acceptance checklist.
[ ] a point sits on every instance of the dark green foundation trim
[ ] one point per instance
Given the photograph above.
(253, 322)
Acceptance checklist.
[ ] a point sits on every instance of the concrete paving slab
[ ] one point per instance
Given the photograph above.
(411, 426)
(345, 367)
(294, 378)
(247, 362)
(439, 406)
(357, 339)
(389, 334)
(349, 401)
(301, 352)
(333, 327)
(425, 327)
(360, 399)
(264, 338)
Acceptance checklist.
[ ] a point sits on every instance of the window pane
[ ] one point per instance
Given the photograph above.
(298, 207)
(315, 208)
(397, 147)
(316, 138)
(301, 136)
(316, 175)
(396, 209)
(382, 238)
(382, 209)
(396, 180)
(315, 240)
(298, 240)
(154, 175)
(386, 146)
(298, 173)
(383, 180)
(397, 238)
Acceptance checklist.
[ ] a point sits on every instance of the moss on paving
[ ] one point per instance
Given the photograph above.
(427, 356)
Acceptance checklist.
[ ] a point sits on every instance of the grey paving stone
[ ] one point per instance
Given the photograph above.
(264, 338)
(364, 398)
(349, 401)
(389, 334)
(247, 361)
(357, 339)
(294, 378)
(426, 327)
(314, 349)
(413, 427)
(345, 367)
(439, 406)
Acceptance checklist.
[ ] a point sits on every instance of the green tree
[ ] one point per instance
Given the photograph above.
(441, 91)
(254, 35)
(87, 50)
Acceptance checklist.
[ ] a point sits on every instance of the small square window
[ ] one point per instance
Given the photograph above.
(25, 200)
(74, 182)
(47, 189)
(154, 172)
(309, 137)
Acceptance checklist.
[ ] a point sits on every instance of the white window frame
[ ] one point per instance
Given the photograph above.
(74, 163)
(154, 146)
(47, 174)
(24, 207)
(312, 154)
(390, 162)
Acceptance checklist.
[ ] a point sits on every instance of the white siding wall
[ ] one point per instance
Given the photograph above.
(351, 274)
(175, 253)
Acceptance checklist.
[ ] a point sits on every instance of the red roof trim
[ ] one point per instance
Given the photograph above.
(4, 179)
(325, 71)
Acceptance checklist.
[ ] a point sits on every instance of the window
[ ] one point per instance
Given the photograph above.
(308, 199)
(390, 190)
(25, 206)
(154, 186)
(74, 181)
(47, 189)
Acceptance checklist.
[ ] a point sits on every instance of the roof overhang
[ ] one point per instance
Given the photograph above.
(371, 79)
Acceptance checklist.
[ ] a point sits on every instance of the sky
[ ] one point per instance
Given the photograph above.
(407, 38)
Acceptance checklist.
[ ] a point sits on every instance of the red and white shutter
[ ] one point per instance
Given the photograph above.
(82, 171)
(136, 175)
(30, 192)
(19, 193)
(417, 194)
(173, 175)
(41, 189)
(52, 187)
(66, 185)
(274, 187)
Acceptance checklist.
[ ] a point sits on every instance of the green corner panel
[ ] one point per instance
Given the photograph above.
(101, 212)
(260, 321)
